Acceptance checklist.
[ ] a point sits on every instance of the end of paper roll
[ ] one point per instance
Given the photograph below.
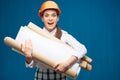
(6, 40)
(12, 43)
(88, 59)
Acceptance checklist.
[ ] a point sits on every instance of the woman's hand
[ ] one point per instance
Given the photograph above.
(64, 66)
(61, 67)
(27, 50)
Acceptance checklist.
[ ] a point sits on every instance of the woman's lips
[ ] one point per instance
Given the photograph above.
(50, 23)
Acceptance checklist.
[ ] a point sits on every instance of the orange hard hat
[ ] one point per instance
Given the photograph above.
(49, 5)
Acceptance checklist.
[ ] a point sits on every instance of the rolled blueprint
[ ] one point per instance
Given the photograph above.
(46, 48)
(37, 55)
(86, 60)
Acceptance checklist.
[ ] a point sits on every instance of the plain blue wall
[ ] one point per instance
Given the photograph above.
(95, 23)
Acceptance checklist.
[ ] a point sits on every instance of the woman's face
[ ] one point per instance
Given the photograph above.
(50, 19)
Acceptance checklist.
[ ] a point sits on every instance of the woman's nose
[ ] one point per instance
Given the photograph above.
(50, 18)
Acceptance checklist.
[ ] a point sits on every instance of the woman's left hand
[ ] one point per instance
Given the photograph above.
(65, 65)
(61, 67)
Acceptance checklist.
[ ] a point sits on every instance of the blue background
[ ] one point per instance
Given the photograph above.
(95, 23)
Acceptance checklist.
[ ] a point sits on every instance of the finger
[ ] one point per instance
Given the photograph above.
(23, 47)
(55, 67)
(28, 45)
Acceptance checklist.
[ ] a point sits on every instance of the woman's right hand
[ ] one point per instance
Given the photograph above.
(27, 50)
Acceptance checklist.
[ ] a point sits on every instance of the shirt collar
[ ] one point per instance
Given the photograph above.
(52, 32)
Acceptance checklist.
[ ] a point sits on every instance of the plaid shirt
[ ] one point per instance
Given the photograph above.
(47, 74)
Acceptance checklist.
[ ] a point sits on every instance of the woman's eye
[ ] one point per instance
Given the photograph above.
(46, 15)
(54, 15)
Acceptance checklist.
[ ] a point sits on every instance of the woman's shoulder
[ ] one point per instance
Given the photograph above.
(64, 32)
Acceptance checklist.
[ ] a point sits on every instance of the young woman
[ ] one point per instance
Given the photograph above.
(49, 13)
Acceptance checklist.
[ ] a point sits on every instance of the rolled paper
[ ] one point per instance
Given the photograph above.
(83, 64)
(89, 67)
(88, 59)
(37, 55)
(46, 48)
(39, 31)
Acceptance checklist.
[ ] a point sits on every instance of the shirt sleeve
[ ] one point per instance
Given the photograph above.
(76, 45)
(30, 65)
